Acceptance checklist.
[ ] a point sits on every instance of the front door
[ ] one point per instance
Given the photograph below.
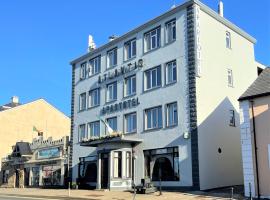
(104, 170)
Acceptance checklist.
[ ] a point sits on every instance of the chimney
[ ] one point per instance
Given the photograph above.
(112, 37)
(91, 43)
(220, 8)
(15, 99)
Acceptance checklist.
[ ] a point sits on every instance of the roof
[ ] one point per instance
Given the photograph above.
(8, 106)
(203, 7)
(22, 148)
(259, 88)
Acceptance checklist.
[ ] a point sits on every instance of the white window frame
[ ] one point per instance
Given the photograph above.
(228, 40)
(80, 138)
(151, 71)
(172, 65)
(130, 49)
(82, 101)
(175, 118)
(155, 110)
(230, 77)
(149, 37)
(94, 66)
(93, 125)
(112, 54)
(83, 70)
(170, 31)
(128, 164)
(117, 155)
(91, 98)
(108, 121)
(232, 118)
(114, 92)
(126, 122)
(129, 80)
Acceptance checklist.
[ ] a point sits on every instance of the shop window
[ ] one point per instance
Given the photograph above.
(117, 160)
(128, 164)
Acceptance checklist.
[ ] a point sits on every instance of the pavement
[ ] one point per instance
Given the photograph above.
(62, 194)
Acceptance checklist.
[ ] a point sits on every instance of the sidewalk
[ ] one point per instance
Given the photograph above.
(107, 195)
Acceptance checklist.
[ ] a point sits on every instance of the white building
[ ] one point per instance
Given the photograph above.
(169, 89)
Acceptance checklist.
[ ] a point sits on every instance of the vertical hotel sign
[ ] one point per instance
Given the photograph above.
(197, 40)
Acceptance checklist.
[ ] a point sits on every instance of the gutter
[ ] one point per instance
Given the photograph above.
(256, 148)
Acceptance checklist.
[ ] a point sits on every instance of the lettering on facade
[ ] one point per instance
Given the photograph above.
(130, 103)
(121, 71)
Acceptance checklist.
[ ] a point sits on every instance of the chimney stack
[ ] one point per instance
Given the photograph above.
(91, 43)
(220, 8)
(15, 99)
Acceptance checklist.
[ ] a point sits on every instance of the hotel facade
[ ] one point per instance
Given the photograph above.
(169, 91)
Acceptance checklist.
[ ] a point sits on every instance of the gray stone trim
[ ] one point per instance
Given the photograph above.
(72, 121)
(192, 94)
(203, 7)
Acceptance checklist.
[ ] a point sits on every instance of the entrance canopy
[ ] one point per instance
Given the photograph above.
(119, 139)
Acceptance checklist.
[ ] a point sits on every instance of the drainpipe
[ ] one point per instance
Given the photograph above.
(256, 148)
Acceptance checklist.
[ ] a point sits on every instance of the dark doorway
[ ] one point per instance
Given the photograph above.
(104, 170)
(163, 169)
(17, 181)
(26, 176)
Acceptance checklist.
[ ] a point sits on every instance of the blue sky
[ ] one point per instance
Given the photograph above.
(38, 39)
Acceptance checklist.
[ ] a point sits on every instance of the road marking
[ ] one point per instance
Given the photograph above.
(25, 197)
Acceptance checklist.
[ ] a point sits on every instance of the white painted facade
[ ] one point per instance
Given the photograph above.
(214, 99)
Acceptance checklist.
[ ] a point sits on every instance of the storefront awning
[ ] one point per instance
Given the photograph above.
(120, 139)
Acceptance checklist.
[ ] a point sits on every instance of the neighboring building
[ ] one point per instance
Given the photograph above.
(17, 122)
(255, 136)
(42, 163)
(169, 90)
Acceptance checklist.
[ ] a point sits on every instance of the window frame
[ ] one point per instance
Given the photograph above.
(116, 123)
(175, 121)
(126, 85)
(159, 67)
(125, 123)
(90, 73)
(156, 108)
(115, 57)
(114, 95)
(90, 98)
(126, 49)
(128, 164)
(89, 128)
(157, 40)
(80, 139)
(167, 41)
(232, 118)
(230, 77)
(120, 158)
(83, 68)
(173, 65)
(80, 102)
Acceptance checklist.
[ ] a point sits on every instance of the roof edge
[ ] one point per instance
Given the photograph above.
(254, 96)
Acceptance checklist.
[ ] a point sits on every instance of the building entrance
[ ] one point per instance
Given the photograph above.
(104, 170)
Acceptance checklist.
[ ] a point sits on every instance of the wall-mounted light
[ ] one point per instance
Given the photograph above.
(186, 135)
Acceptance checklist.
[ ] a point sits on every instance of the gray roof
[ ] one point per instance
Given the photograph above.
(8, 106)
(260, 87)
(22, 148)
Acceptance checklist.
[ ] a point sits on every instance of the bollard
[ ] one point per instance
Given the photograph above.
(134, 192)
(232, 193)
(160, 190)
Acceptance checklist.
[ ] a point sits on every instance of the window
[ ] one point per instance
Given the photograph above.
(130, 86)
(111, 91)
(131, 123)
(170, 31)
(232, 118)
(153, 78)
(112, 122)
(171, 74)
(130, 49)
(117, 169)
(82, 132)
(94, 98)
(153, 118)
(83, 71)
(82, 102)
(112, 58)
(230, 78)
(171, 114)
(228, 40)
(94, 66)
(128, 164)
(94, 129)
(152, 40)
